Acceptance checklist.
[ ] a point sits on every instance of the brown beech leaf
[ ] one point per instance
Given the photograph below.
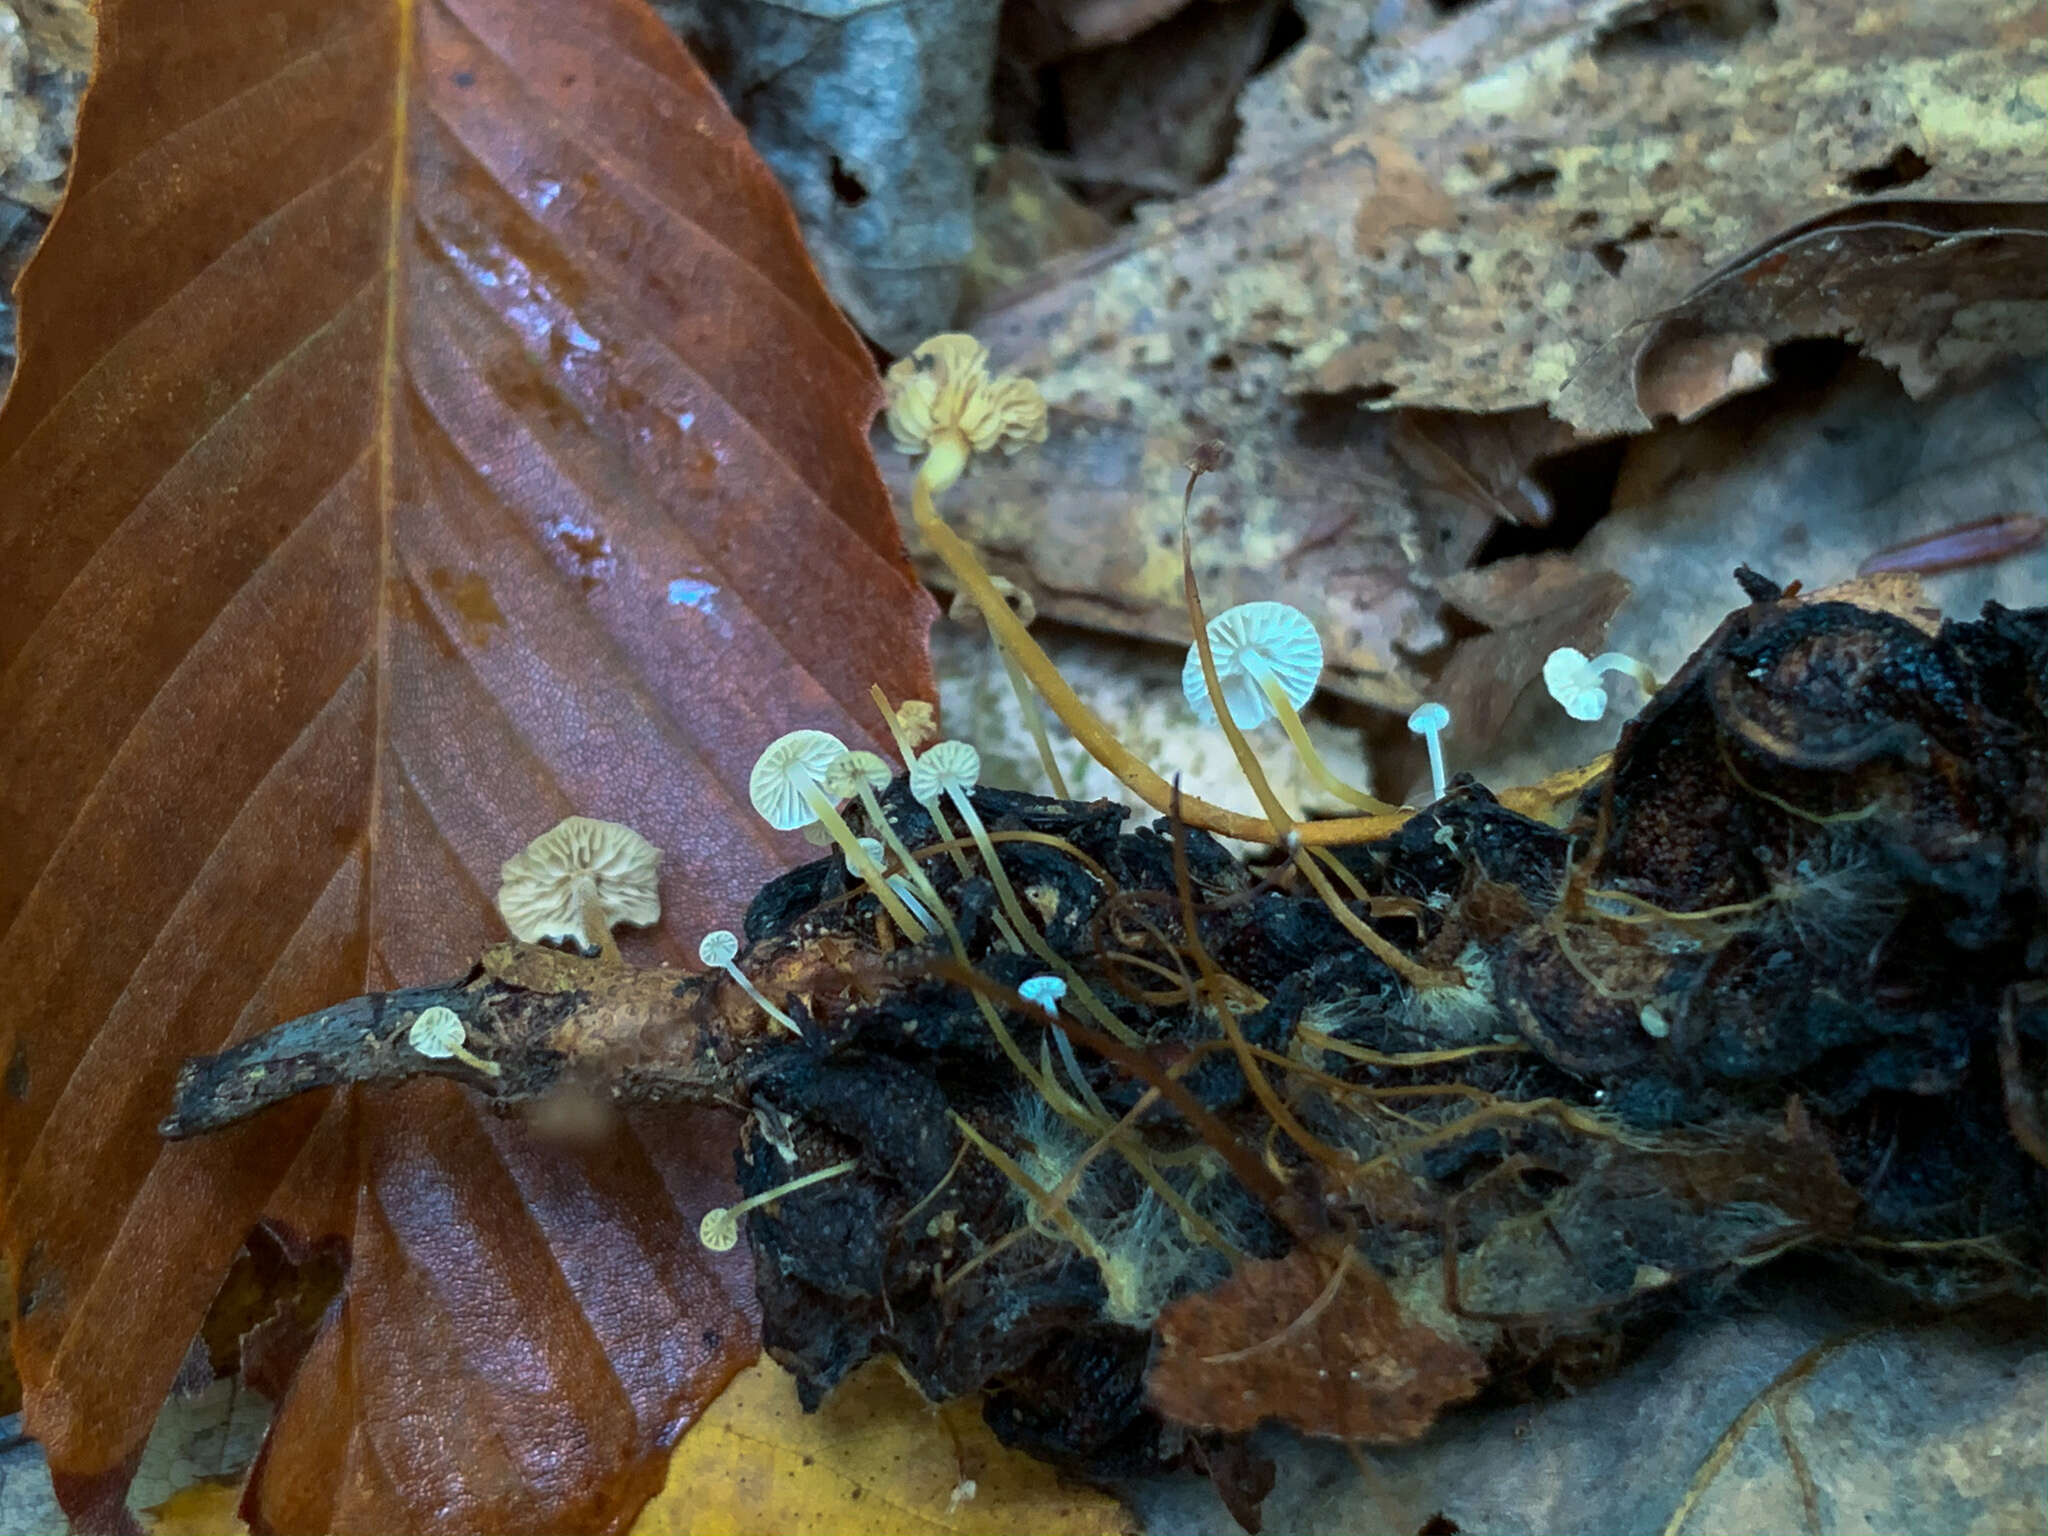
(1315, 1340)
(428, 426)
(1934, 290)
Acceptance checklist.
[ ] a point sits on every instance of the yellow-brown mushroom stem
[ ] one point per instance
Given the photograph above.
(1090, 730)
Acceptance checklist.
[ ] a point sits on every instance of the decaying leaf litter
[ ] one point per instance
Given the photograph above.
(1508, 482)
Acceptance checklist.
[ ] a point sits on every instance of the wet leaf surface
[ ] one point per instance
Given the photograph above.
(428, 426)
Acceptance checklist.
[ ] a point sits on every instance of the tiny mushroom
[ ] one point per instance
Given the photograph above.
(720, 1229)
(787, 789)
(1043, 992)
(1574, 681)
(720, 948)
(439, 1032)
(861, 774)
(1429, 722)
(1268, 658)
(578, 880)
(951, 769)
(942, 403)
(905, 891)
(964, 610)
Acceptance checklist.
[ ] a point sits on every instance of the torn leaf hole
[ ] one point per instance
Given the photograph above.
(1683, 26)
(848, 188)
(1536, 181)
(1901, 168)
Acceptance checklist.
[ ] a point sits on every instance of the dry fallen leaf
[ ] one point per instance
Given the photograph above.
(428, 425)
(1935, 291)
(877, 1458)
(1315, 1340)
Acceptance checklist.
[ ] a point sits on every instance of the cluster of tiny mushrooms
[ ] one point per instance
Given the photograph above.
(1254, 663)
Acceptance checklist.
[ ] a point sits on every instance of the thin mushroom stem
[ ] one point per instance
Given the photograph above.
(857, 857)
(1616, 661)
(1034, 719)
(731, 968)
(721, 948)
(1297, 733)
(1386, 953)
(720, 1229)
(1089, 729)
(912, 870)
(1007, 894)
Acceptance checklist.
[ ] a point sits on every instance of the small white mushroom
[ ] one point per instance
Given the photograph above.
(905, 892)
(720, 948)
(862, 773)
(1429, 722)
(1574, 681)
(951, 769)
(577, 881)
(787, 788)
(1268, 658)
(720, 1229)
(439, 1033)
(1043, 992)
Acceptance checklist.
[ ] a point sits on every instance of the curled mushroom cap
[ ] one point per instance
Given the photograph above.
(946, 765)
(789, 774)
(1252, 643)
(941, 395)
(578, 880)
(1569, 676)
(1573, 679)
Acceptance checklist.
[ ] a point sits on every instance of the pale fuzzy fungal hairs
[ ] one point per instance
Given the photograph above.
(1150, 1259)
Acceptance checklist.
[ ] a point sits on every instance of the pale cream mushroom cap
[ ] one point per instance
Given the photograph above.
(917, 720)
(846, 775)
(437, 1032)
(792, 761)
(945, 765)
(944, 386)
(545, 890)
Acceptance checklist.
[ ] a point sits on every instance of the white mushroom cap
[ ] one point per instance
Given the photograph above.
(1428, 718)
(580, 866)
(1043, 991)
(1570, 677)
(946, 765)
(1245, 639)
(437, 1032)
(846, 775)
(792, 762)
(718, 947)
(872, 847)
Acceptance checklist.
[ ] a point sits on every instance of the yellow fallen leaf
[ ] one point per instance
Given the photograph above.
(206, 1508)
(876, 1460)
